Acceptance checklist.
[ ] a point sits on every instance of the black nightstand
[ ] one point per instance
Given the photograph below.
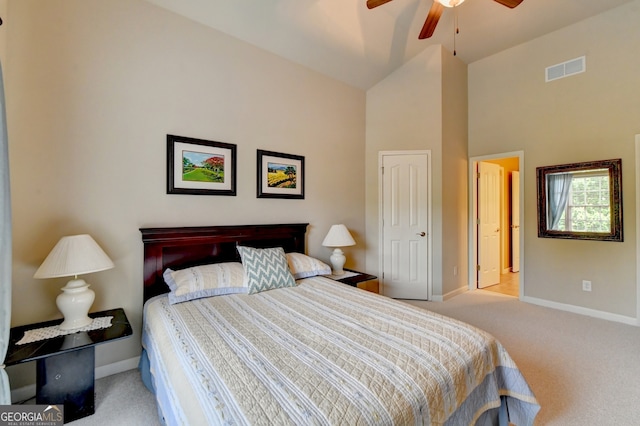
(358, 279)
(65, 365)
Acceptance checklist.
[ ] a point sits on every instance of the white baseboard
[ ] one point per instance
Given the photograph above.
(117, 367)
(582, 311)
(555, 305)
(29, 391)
(23, 393)
(449, 295)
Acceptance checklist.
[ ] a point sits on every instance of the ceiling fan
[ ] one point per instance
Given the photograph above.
(436, 11)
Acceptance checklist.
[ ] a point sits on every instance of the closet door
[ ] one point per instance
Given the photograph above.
(406, 238)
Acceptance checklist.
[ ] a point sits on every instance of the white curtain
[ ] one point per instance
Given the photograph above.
(5, 248)
(558, 186)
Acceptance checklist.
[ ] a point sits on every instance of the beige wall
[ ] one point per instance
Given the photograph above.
(422, 106)
(94, 87)
(590, 116)
(3, 30)
(454, 175)
(404, 112)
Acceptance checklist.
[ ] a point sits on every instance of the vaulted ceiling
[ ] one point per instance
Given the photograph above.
(345, 40)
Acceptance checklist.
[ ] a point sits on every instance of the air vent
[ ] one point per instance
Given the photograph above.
(566, 69)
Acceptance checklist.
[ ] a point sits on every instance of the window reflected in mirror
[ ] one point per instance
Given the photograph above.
(580, 201)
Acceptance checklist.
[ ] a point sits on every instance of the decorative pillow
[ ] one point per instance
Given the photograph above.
(205, 281)
(265, 269)
(303, 266)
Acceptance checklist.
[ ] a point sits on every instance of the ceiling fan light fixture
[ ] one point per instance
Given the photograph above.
(450, 3)
(435, 12)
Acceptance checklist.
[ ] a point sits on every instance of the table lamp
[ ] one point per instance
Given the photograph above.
(338, 236)
(72, 256)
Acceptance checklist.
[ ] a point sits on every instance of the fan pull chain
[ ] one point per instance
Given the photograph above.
(456, 29)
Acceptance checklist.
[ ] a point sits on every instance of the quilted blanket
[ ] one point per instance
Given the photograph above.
(323, 353)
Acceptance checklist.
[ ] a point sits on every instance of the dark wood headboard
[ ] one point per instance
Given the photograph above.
(183, 247)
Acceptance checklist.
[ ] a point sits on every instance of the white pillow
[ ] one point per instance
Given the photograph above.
(216, 279)
(303, 266)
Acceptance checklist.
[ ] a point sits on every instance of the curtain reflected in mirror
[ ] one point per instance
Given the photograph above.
(581, 201)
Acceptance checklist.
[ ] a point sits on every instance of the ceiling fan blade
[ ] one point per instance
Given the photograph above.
(432, 20)
(509, 3)
(375, 3)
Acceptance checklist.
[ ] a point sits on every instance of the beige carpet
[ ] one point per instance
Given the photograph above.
(584, 371)
(122, 400)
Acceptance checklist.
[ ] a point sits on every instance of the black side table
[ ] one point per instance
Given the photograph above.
(65, 365)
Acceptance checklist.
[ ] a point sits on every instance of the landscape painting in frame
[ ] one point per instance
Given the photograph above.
(200, 167)
(280, 175)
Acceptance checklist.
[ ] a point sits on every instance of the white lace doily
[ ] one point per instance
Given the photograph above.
(347, 274)
(31, 336)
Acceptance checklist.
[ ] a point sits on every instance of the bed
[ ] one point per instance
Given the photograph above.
(315, 352)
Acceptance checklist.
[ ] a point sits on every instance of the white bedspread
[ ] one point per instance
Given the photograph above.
(325, 353)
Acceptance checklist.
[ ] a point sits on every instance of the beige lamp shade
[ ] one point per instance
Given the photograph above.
(338, 236)
(74, 255)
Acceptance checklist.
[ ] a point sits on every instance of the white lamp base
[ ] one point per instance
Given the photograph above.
(337, 261)
(74, 303)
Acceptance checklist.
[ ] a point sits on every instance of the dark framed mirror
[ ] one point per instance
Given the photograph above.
(581, 201)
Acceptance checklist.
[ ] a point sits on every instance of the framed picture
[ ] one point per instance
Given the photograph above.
(280, 175)
(200, 167)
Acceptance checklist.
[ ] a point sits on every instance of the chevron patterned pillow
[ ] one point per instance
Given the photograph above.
(265, 269)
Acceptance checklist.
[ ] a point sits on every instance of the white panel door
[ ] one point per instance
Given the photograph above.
(405, 229)
(515, 221)
(489, 184)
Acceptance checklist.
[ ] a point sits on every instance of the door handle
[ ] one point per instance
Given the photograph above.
(421, 234)
(497, 230)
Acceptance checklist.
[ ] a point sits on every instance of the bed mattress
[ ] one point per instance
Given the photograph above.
(328, 354)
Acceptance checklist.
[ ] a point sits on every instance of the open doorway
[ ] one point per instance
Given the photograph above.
(496, 238)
